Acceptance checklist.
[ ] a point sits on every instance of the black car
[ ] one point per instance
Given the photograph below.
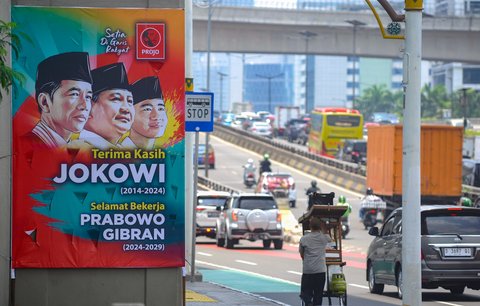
(296, 131)
(354, 151)
(450, 250)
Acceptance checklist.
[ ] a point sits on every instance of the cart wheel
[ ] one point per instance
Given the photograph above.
(343, 299)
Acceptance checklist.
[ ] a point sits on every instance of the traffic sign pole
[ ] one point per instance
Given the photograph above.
(194, 210)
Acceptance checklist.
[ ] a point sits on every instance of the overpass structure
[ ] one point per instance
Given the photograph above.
(277, 31)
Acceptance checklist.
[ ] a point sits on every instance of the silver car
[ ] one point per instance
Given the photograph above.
(207, 213)
(450, 245)
(252, 217)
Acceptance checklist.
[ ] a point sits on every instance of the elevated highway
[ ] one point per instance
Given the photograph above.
(263, 30)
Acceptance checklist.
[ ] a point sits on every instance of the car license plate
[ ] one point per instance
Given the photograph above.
(457, 252)
(213, 214)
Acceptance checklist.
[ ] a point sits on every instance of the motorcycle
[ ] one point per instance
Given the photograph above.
(345, 227)
(371, 217)
(249, 180)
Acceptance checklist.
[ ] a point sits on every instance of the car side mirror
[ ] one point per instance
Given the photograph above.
(373, 231)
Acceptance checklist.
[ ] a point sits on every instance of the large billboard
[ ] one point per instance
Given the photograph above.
(98, 138)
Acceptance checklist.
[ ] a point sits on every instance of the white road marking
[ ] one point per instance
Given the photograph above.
(356, 194)
(247, 272)
(204, 254)
(246, 262)
(295, 272)
(358, 286)
(446, 303)
(234, 172)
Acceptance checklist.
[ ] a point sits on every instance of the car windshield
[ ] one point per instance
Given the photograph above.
(257, 203)
(211, 201)
(343, 120)
(461, 222)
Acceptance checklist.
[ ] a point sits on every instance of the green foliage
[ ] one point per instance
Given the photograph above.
(8, 40)
(433, 100)
(379, 99)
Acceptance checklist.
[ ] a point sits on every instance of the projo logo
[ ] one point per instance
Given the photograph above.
(150, 41)
(150, 38)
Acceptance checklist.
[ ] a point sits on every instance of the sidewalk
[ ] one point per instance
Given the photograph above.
(210, 294)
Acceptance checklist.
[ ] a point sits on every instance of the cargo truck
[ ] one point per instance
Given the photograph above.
(441, 163)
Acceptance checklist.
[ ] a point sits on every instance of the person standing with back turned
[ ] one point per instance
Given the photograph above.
(312, 250)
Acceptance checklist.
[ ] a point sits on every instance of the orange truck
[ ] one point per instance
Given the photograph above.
(440, 165)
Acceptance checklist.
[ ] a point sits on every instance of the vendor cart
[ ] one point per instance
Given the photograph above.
(332, 216)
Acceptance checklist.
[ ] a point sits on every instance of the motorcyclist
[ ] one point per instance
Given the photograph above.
(249, 168)
(265, 164)
(370, 201)
(464, 201)
(310, 191)
(343, 201)
(345, 223)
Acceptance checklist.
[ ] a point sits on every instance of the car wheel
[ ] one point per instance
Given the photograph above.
(229, 243)
(266, 243)
(278, 244)
(399, 279)
(372, 285)
(457, 290)
(220, 242)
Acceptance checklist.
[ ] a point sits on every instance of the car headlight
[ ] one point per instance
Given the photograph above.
(233, 225)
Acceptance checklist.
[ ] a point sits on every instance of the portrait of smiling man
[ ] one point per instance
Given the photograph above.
(112, 108)
(150, 115)
(63, 91)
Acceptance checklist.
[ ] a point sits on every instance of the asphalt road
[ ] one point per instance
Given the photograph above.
(276, 274)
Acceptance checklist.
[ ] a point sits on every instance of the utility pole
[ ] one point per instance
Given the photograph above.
(355, 23)
(269, 78)
(307, 35)
(411, 273)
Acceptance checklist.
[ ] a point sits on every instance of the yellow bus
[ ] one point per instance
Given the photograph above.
(330, 126)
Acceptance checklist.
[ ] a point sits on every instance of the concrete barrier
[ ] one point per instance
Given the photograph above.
(328, 169)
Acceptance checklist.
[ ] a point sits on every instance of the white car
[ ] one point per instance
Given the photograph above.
(261, 128)
(238, 121)
(207, 213)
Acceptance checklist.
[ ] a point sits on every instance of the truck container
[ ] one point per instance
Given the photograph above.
(282, 115)
(440, 163)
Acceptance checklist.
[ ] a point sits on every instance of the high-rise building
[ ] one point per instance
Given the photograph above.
(457, 7)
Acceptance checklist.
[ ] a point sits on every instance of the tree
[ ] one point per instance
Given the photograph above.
(433, 100)
(379, 99)
(8, 40)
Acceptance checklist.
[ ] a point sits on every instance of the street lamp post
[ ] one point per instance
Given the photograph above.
(464, 103)
(222, 75)
(307, 35)
(209, 4)
(269, 78)
(355, 24)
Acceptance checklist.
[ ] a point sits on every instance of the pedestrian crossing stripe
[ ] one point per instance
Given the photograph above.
(192, 296)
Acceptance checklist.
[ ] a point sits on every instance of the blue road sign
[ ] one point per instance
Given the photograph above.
(198, 111)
